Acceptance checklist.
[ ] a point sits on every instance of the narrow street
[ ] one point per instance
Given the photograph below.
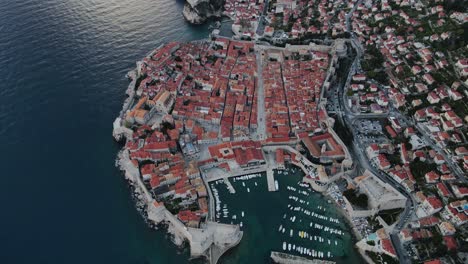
(261, 117)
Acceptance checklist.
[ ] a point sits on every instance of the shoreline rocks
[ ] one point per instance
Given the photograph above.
(199, 11)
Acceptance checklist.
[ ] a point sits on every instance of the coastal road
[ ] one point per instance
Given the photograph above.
(408, 210)
(348, 117)
(405, 216)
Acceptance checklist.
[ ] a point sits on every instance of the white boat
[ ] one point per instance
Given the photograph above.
(276, 185)
(294, 247)
(336, 243)
(281, 227)
(289, 247)
(284, 245)
(291, 233)
(248, 190)
(243, 184)
(242, 213)
(284, 229)
(240, 224)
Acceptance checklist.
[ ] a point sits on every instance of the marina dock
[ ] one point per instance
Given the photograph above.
(271, 180)
(229, 185)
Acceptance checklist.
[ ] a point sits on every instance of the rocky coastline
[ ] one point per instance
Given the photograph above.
(199, 11)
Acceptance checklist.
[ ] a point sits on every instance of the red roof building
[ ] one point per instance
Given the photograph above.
(450, 243)
(388, 248)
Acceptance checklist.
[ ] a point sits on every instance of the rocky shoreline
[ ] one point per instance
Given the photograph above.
(143, 205)
(199, 11)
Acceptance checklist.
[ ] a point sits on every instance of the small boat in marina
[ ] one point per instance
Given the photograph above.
(240, 224)
(284, 245)
(248, 190)
(281, 227)
(242, 213)
(289, 247)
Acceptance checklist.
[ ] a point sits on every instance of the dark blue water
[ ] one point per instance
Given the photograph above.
(62, 67)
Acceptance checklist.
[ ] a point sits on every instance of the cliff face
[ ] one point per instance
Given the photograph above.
(198, 11)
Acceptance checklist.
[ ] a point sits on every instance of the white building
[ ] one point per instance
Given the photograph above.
(381, 195)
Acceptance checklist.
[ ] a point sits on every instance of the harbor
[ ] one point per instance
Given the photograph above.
(294, 220)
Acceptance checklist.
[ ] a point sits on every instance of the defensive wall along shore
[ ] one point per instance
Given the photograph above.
(212, 240)
(284, 258)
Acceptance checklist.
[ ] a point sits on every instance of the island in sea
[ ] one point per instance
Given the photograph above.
(286, 95)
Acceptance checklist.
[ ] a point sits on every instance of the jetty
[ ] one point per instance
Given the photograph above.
(284, 258)
(229, 185)
(271, 180)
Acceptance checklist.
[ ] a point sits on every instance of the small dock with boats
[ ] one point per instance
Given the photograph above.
(272, 184)
(229, 185)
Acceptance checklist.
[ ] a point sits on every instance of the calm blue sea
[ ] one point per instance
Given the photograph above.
(62, 83)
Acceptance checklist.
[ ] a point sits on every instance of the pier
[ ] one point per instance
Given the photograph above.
(229, 185)
(271, 180)
(284, 258)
